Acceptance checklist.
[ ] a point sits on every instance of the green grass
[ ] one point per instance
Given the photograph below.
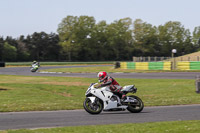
(155, 127)
(28, 93)
(20, 93)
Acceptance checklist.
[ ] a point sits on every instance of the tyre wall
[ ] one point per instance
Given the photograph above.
(188, 65)
(146, 65)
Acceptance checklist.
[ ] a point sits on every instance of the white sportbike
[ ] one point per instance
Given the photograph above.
(103, 99)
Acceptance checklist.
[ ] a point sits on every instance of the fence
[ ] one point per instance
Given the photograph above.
(150, 59)
(188, 58)
(155, 59)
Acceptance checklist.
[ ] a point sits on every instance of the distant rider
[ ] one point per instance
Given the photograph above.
(36, 63)
(109, 81)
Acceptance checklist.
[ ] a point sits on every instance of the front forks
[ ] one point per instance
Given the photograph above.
(94, 103)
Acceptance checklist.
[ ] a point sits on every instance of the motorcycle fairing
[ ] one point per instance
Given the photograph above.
(105, 96)
(127, 87)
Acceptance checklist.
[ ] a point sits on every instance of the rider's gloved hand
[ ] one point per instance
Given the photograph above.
(98, 86)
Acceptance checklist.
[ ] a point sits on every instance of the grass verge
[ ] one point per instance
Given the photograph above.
(155, 127)
(28, 93)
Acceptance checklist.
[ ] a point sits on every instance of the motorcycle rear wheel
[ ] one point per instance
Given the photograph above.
(92, 108)
(135, 108)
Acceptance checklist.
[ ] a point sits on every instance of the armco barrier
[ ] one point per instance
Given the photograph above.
(146, 65)
(188, 65)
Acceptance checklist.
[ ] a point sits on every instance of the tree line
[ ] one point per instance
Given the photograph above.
(82, 39)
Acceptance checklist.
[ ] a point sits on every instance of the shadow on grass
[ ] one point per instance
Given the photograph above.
(2, 89)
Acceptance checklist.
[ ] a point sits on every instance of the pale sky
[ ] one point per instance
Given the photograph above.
(23, 17)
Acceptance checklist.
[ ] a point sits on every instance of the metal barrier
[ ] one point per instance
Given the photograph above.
(197, 82)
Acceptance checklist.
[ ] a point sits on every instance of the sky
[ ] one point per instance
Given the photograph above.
(24, 17)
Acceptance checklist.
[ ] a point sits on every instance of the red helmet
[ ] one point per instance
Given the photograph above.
(102, 76)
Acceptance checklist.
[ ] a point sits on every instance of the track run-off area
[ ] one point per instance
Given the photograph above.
(47, 119)
(161, 75)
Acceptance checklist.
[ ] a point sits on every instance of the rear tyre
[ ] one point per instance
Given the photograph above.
(135, 107)
(93, 108)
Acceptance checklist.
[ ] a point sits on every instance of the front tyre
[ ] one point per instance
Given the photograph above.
(34, 69)
(93, 108)
(135, 107)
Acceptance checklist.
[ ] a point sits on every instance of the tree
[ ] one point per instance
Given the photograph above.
(99, 42)
(82, 39)
(11, 41)
(53, 48)
(83, 32)
(145, 39)
(119, 39)
(1, 48)
(22, 51)
(173, 35)
(43, 46)
(196, 38)
(187, 46)
(73, 33)
(66, 34)
(9, 52)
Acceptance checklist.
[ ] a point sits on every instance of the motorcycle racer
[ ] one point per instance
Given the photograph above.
(36, 63)
(109, 81)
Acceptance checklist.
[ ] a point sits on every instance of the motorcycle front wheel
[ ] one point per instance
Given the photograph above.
(135, 107)
(92, 108)
(34, 70)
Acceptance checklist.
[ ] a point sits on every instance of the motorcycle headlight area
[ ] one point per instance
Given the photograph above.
(88, 91)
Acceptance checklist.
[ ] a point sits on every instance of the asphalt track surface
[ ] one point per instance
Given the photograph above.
(162, 75)
(47, 119)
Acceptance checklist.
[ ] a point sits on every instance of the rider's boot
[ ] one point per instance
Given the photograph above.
(123, 98)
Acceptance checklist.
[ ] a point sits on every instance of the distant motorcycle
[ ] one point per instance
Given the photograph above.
(103, 99)
(34, 67)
